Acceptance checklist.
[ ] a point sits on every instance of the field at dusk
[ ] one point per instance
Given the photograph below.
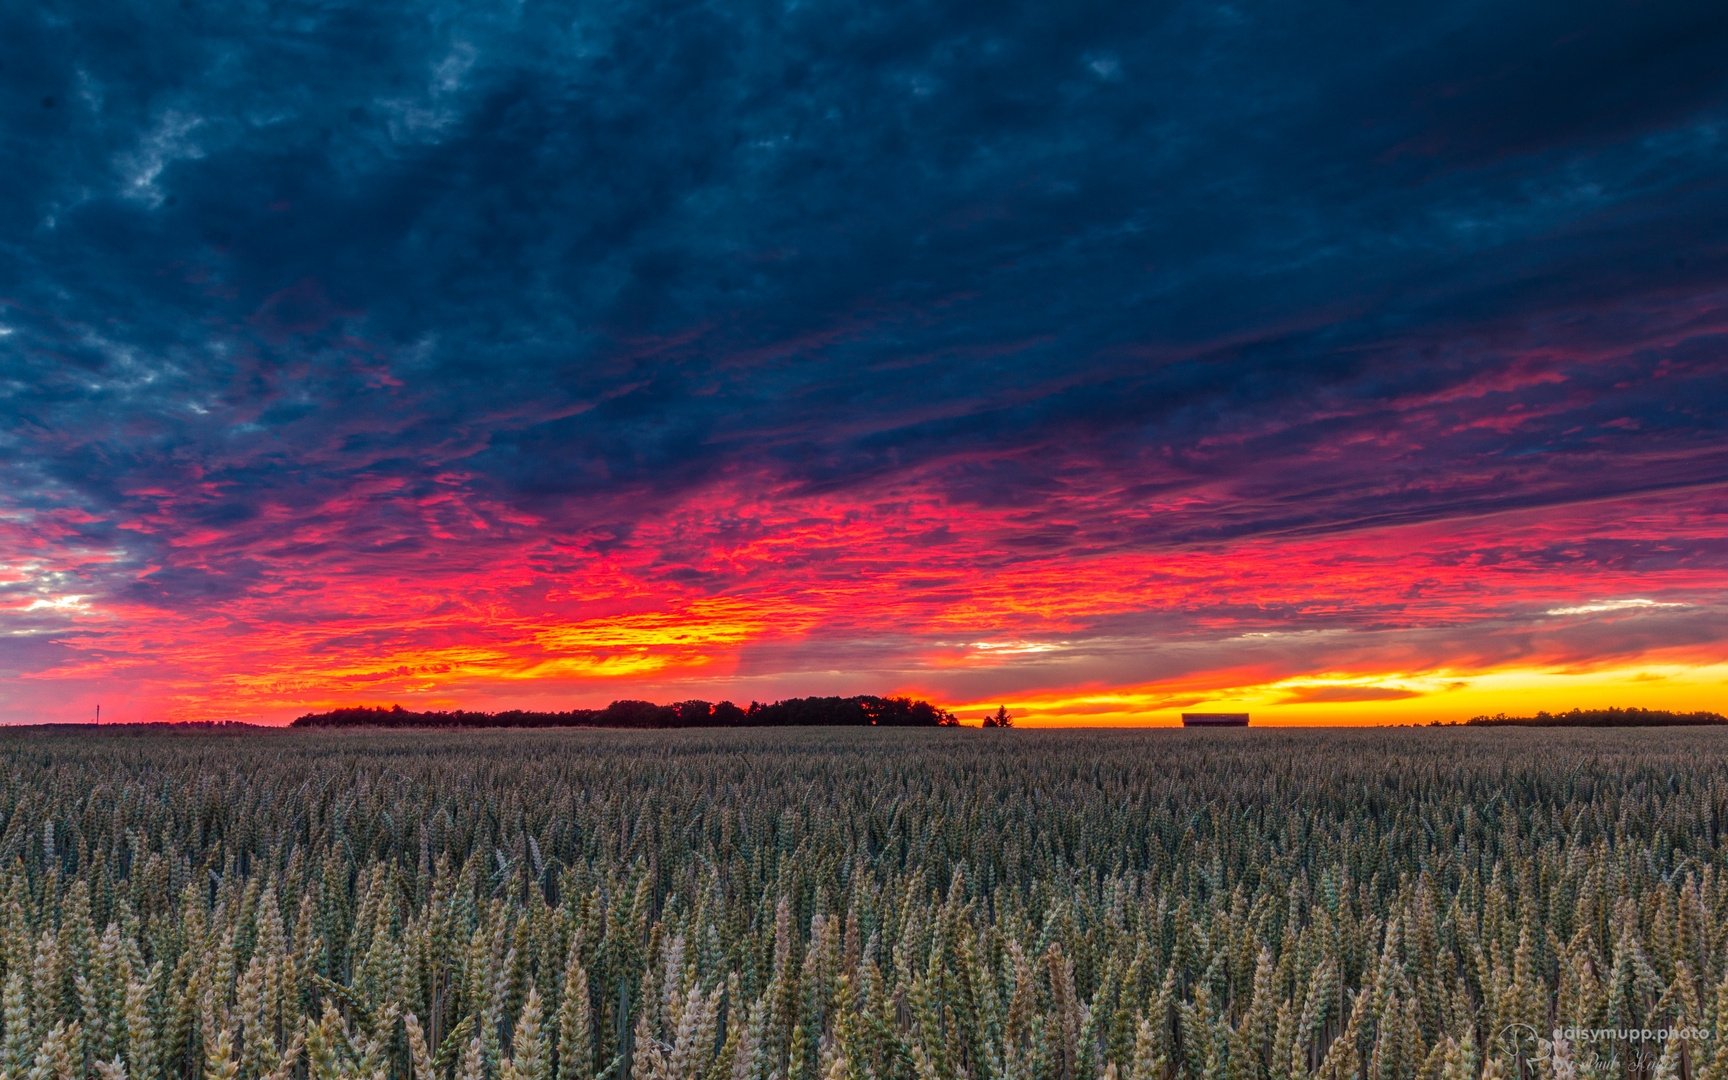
(745, 540)
(1430, 904)
(1340, 365)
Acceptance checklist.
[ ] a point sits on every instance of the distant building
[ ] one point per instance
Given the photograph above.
(1214, 719)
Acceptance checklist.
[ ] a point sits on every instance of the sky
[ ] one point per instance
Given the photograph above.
(1337, 362)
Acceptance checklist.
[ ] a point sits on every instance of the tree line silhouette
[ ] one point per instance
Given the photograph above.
(1610, 717)
(862, 710)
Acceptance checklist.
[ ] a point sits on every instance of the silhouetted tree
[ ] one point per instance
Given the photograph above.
(727, 714)
(694, 713)
(1610, 717)
(639, 714)
(864, 709)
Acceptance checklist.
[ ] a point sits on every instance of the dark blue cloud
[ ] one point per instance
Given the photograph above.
(597, 257)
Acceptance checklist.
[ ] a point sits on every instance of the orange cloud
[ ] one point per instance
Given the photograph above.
(748, 596)
(1310, 694)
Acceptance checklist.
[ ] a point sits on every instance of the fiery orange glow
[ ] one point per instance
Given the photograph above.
(738, 598)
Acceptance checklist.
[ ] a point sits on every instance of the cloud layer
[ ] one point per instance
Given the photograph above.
(510, 353)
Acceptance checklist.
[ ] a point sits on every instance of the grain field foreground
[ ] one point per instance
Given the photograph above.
(838, 904)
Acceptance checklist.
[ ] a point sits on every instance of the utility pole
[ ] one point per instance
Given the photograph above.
(98, 713)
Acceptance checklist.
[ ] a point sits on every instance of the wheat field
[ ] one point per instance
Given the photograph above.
(846, 904)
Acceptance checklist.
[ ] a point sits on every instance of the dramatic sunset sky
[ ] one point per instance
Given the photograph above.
(1340, 362)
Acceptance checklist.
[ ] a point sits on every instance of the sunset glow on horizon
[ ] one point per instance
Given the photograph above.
(1400, 624)
(1097, 363)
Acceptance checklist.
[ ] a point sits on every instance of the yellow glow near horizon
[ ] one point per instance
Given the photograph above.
(1432, 697)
